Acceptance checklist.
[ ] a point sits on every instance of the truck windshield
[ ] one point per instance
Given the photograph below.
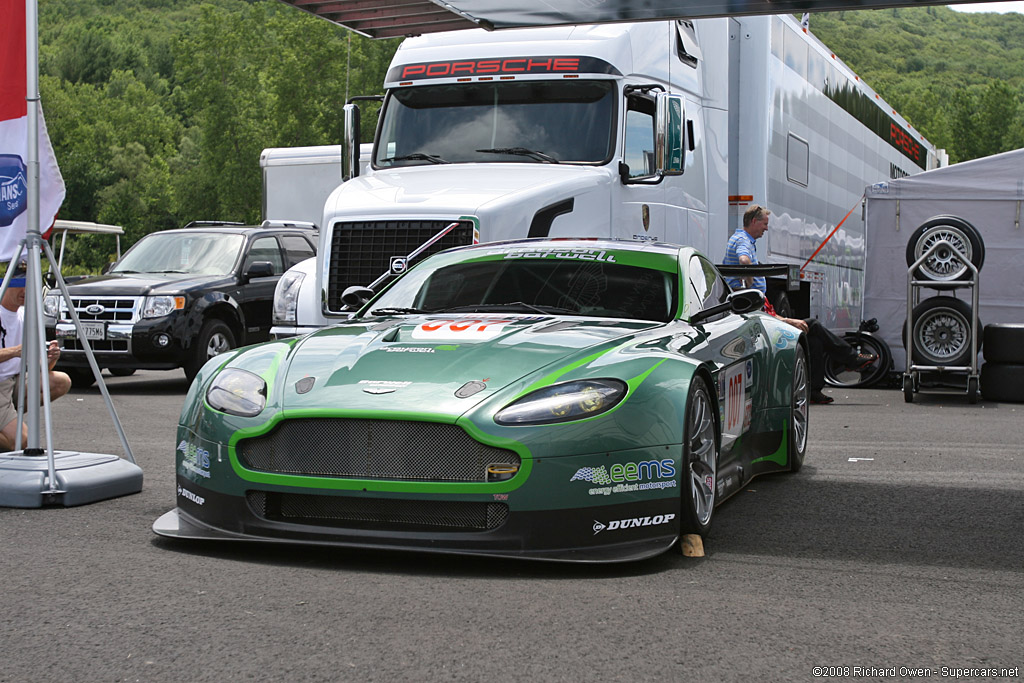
(197, 253)
(525, 122)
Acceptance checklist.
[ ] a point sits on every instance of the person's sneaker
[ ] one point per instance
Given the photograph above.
(862, 362)
(821, 399)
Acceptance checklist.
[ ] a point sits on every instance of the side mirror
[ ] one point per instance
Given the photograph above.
(670, 138)
(746, 300)
(355, 297)
(743, 301)
(259, 269)
(350, 145)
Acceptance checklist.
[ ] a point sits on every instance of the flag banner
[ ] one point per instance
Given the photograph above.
(14, 140)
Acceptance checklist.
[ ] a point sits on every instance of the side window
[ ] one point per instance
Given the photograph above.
(706, 285)
(296, 248)
(639, 152)
(265, 249)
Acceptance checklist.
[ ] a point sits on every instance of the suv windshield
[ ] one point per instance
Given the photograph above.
(198, 253)
(535, 286)
(527, 121)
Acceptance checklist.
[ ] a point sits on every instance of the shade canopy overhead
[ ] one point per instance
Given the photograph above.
(392, 18)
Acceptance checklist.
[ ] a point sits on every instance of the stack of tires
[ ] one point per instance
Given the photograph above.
(943, 324)
(1002, 375)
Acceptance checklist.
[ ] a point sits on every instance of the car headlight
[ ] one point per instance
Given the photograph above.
(238, 392)
(286, 298)
(564, 402)
(51, 305)
(158, 306)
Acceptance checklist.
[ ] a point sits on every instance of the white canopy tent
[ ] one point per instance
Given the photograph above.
(985, 192)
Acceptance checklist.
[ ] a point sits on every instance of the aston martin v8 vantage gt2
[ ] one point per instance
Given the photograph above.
(581, 400)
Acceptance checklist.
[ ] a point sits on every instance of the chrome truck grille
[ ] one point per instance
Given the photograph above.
(362, 251)
(372, 449)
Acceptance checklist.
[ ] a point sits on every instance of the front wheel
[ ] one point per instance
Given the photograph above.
(700, 460)
(214, 339)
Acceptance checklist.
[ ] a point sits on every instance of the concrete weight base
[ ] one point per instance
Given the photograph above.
(81, 478)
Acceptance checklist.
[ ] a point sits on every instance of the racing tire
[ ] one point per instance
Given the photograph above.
(1003, 382)
(863, 342)
(942, 266)
(799, 411)
(700, 460)
(214, 339)
(81, 378)
(1004, 343)
(942, 332)
(121, 372)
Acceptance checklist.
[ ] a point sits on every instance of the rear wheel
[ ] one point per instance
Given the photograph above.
(799, 412)
(214, 339)
(700, 460)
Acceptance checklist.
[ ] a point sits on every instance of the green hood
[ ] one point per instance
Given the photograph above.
(418, 364)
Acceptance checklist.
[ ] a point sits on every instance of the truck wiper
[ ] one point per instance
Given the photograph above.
(419, 156)
(522, 151)
(396, 311)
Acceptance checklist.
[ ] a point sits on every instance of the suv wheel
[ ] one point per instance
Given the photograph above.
(214, 339)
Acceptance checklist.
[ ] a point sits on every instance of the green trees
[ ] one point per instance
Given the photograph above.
(158, 109)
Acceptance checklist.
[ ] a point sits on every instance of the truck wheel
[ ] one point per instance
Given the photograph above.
(1004, 343)
(214, 339)
(942, 266)
(81, 378)
(1003, 382)
(942, 332)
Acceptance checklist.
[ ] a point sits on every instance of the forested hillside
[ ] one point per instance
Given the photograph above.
(158, 109)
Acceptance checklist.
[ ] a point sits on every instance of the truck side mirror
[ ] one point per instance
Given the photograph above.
(670, 138)
(350, 147)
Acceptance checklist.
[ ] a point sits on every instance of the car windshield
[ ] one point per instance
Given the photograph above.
(196, 253)
(528, 121)
(560, 286)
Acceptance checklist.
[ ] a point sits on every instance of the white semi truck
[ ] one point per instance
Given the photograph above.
(648, 131)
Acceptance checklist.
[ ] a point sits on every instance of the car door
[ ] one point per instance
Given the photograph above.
(257, 291)
(735, 344)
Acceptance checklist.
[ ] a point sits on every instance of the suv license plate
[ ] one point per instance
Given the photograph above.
(94, 330)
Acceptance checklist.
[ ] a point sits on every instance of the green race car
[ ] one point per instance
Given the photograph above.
(579, 400)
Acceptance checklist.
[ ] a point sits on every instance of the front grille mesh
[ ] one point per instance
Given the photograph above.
(382, 514)
(361, 251)
(372, 449)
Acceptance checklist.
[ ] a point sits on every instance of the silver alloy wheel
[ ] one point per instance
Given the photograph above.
(703, 455)
(801, 407)
(218, 344)
(942, 265)
(941, 334)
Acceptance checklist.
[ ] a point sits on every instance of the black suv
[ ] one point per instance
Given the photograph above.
(178, 298)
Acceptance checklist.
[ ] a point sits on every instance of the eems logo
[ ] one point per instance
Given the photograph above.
(12, 188)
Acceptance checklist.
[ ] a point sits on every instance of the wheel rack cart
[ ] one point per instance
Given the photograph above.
(912, 376)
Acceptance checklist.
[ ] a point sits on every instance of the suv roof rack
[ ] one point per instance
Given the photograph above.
(307, 225)
(211, 224)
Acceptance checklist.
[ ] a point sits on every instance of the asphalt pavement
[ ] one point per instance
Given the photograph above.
(896, 552)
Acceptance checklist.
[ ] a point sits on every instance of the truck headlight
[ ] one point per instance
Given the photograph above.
(564, 402)
(286, 298)
(158, 306)
(238, 392)
(51, 305)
